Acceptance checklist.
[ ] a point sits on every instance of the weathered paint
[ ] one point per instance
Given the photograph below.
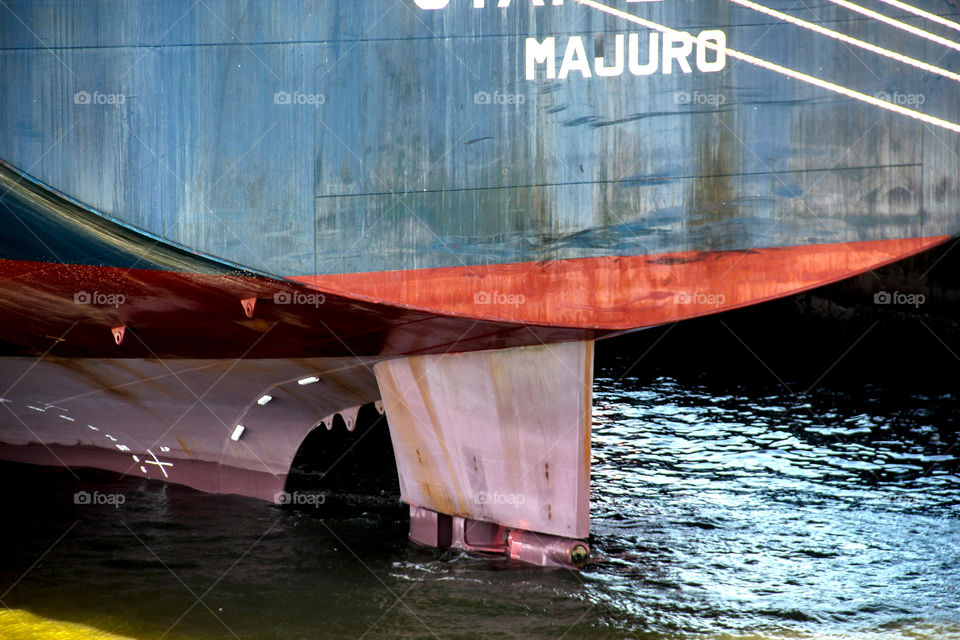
(623, 292)
(405, 165)
(177, 303)
(434, 529)
(472, 434)
(402, 189)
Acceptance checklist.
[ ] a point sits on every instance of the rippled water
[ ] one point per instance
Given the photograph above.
(720, 509)
(736, 512)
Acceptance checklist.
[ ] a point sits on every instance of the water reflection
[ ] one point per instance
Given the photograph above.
(743, 512)
(719, 511)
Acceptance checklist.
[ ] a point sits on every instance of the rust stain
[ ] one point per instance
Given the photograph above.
(104, 383)
(405, 409)
(256, 324)
(184, 447)
(419, 371)
(500, 370)
(402, 422)
(677, 260)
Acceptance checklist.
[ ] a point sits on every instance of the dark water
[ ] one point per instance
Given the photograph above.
(721, 509)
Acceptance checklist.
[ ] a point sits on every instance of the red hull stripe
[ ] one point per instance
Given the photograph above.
(621, 292)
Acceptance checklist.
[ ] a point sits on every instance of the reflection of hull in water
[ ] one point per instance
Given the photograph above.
(293, 191)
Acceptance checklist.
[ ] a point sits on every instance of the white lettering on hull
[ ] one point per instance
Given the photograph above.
(640, 54)
(674, 53)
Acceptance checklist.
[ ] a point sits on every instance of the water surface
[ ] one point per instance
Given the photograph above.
(721, 509)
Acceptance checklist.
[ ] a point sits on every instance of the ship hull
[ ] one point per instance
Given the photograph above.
(437, 204)
(321, 138)
(172, 420)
